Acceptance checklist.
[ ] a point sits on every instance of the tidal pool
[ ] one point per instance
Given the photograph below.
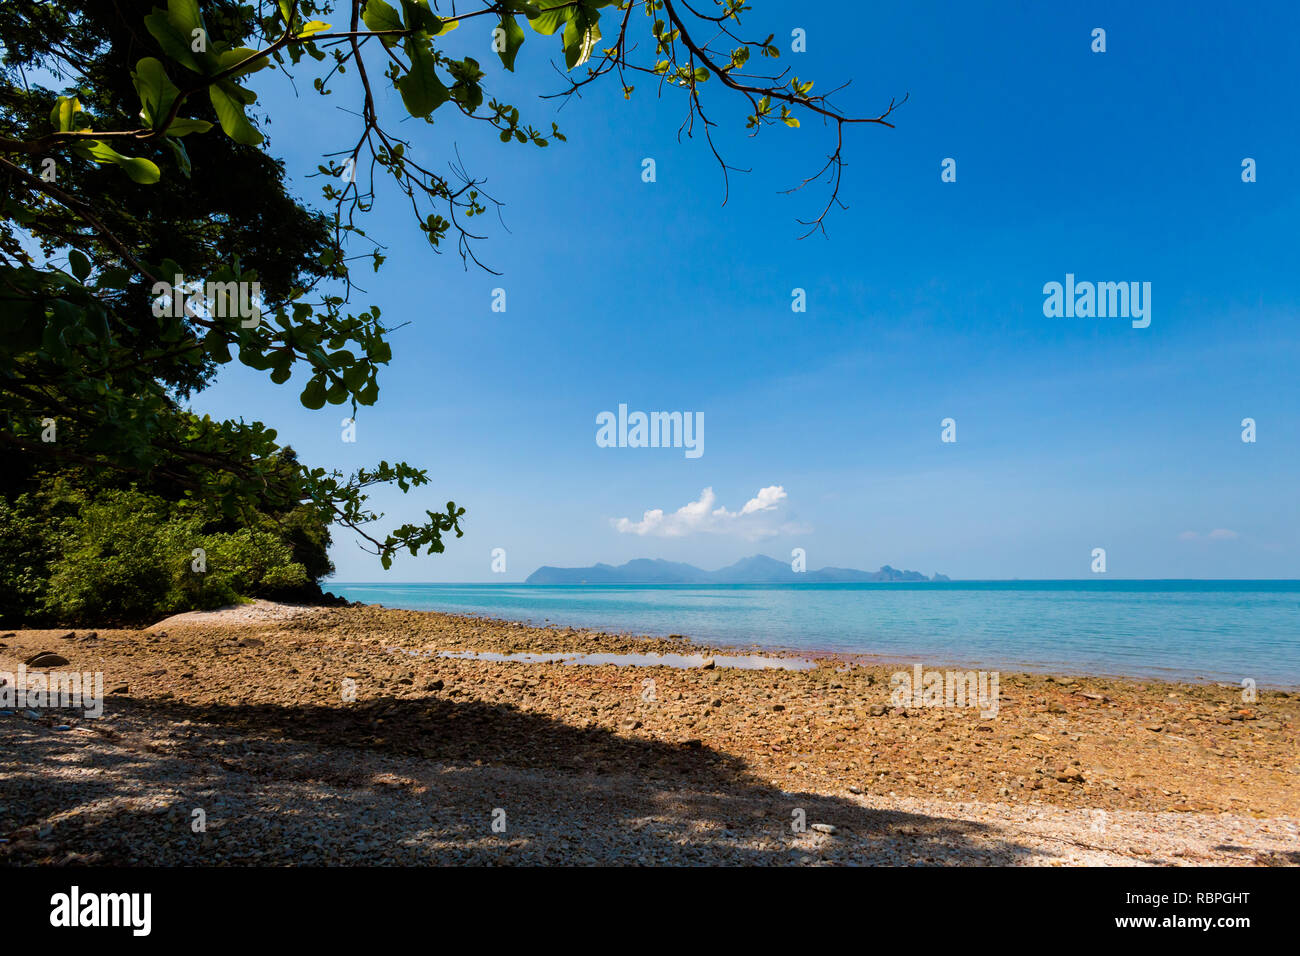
(748, 662)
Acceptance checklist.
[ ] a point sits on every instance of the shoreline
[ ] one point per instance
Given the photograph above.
(936, 662)
(240, 713)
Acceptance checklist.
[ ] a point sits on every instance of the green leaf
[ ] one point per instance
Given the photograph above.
(79, 263)
(140, 170)
(514, 37)
(174, 28)
(313, 396)
(580, 36)
(467, 91)
(420, 17)
(238, 93)
(215, 344)
(354, 376)
(231, 114)
(422, 91)
(337, 394)
(65, 113)
(114, 277)
(157, 92)
(230, 57)
(342, 359)
(52, 340)
(313, 26)
(379, 16)
(182, 157)
(551, 17)
(181, 126)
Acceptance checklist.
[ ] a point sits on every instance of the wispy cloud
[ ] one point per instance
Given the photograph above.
(757, 518)
(1218, 534)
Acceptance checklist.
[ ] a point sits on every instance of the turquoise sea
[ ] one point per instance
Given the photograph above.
(1190, 630)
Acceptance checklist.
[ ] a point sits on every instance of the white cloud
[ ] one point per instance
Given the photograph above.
(753, 520)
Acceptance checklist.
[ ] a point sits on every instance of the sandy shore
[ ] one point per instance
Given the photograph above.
(242, 715)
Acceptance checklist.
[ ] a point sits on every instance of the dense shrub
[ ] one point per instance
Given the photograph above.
(26, 549)
(111, 560)
(72, 557)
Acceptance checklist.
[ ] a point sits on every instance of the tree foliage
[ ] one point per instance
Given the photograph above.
(133, 152)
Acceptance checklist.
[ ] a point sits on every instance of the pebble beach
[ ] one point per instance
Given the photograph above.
(275, 734)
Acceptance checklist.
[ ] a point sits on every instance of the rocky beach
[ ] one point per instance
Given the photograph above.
(275, 734)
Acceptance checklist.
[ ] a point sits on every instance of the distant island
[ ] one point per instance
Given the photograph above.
(759, 569)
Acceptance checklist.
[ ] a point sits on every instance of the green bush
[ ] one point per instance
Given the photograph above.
(26, 549)
(242, 563)
(70, 557)
(112, 560)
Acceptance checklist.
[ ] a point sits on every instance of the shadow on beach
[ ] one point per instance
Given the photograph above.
(417, 781)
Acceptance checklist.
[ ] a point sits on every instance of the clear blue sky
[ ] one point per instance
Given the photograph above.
(925, 303)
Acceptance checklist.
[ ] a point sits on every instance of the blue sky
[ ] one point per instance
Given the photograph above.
(924, 303)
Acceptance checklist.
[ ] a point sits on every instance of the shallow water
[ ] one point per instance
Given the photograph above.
(746, 662)
(1187, 630)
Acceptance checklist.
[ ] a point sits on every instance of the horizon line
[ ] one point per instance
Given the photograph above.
(718, 583)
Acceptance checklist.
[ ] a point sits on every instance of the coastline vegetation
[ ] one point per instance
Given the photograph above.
(134, 153)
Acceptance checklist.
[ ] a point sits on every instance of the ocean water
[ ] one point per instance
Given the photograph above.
(1186, 630)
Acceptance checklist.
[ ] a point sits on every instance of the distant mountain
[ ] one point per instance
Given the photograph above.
(759, 569)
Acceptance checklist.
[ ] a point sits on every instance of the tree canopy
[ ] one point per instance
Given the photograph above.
(132, 152)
